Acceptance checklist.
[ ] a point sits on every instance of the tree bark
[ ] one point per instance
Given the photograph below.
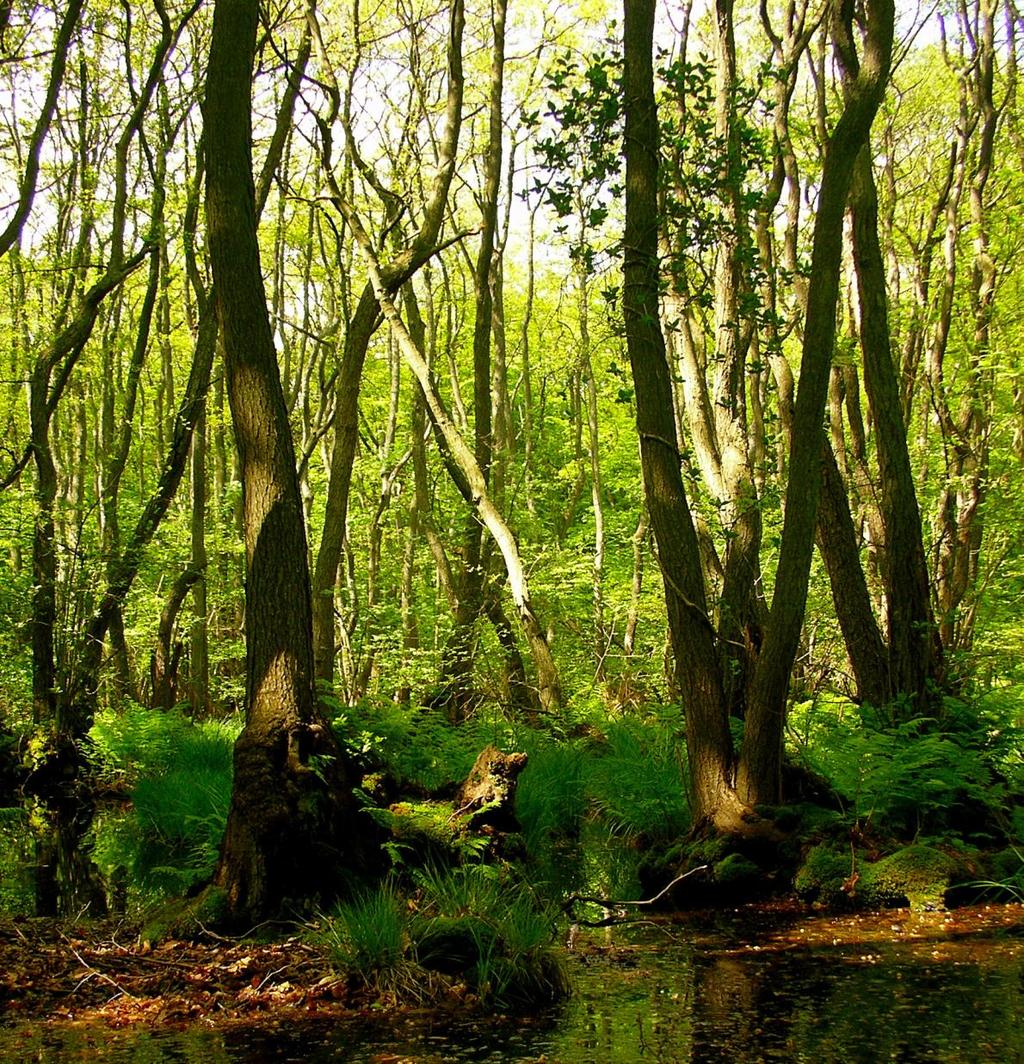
(914, 651)
(290, 823)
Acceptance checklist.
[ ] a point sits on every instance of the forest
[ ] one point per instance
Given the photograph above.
(470, 468)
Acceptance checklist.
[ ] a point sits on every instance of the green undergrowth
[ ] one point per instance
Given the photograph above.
(474, 929)
(598, 785)
(179, 775)
(16, 857)
(627, 773)
(955, 775)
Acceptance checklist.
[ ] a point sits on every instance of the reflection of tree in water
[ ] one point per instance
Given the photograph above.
(843, 1005)
(67, 882)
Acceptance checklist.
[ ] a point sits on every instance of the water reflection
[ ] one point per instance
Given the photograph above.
(46, 869)
(661, 994)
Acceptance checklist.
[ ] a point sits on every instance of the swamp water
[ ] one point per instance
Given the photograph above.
(754, 986)
(761, 984)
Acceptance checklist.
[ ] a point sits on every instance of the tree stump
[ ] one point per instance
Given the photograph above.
(489, 791)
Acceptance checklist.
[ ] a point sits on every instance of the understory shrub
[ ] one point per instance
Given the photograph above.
(551, 795)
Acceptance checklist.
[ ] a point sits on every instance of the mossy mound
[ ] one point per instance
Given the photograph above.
(185, 918)
(427, 833)
(825, 874)
(476, 950)
(737, 871)
(919, 876)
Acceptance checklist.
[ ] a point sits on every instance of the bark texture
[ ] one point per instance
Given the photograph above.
(291, 824)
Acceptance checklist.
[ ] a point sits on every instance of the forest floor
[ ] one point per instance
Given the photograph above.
(98, 972)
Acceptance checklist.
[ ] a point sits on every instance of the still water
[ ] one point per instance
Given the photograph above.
(736, 987)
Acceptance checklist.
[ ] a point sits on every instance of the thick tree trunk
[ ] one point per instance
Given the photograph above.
(292, 829)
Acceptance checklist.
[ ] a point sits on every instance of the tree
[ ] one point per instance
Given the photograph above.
(758, 771)
(293, 824)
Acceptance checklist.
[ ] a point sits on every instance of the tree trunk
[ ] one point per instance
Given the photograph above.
(292, 828)
(697, 669)
(468, 476)
(457, 660)
(914, 651)
(163, 668)
(759, 773)
(364, 323)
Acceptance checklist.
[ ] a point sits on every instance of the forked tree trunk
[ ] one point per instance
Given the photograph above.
(759, 773)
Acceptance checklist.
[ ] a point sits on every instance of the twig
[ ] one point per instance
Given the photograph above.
(612, 904)
(270, 975)
(95, 971)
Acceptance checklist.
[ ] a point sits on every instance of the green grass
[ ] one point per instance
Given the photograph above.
(368, 938)
(551, 795)
(471, 926)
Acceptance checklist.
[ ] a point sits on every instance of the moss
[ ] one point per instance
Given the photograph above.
(1008, 864)
(735, 870)
(917, 875)
(707, 851)
(185, 917)
(823, 874)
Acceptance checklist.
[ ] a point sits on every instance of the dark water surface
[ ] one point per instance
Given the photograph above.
(753, 986)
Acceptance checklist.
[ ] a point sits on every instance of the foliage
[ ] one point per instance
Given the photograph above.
(513, 964)
(171, 838)
(636, 781)
(16, 861)
(909, 778)
(134, 741)
(416, 745)
(369, 939)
